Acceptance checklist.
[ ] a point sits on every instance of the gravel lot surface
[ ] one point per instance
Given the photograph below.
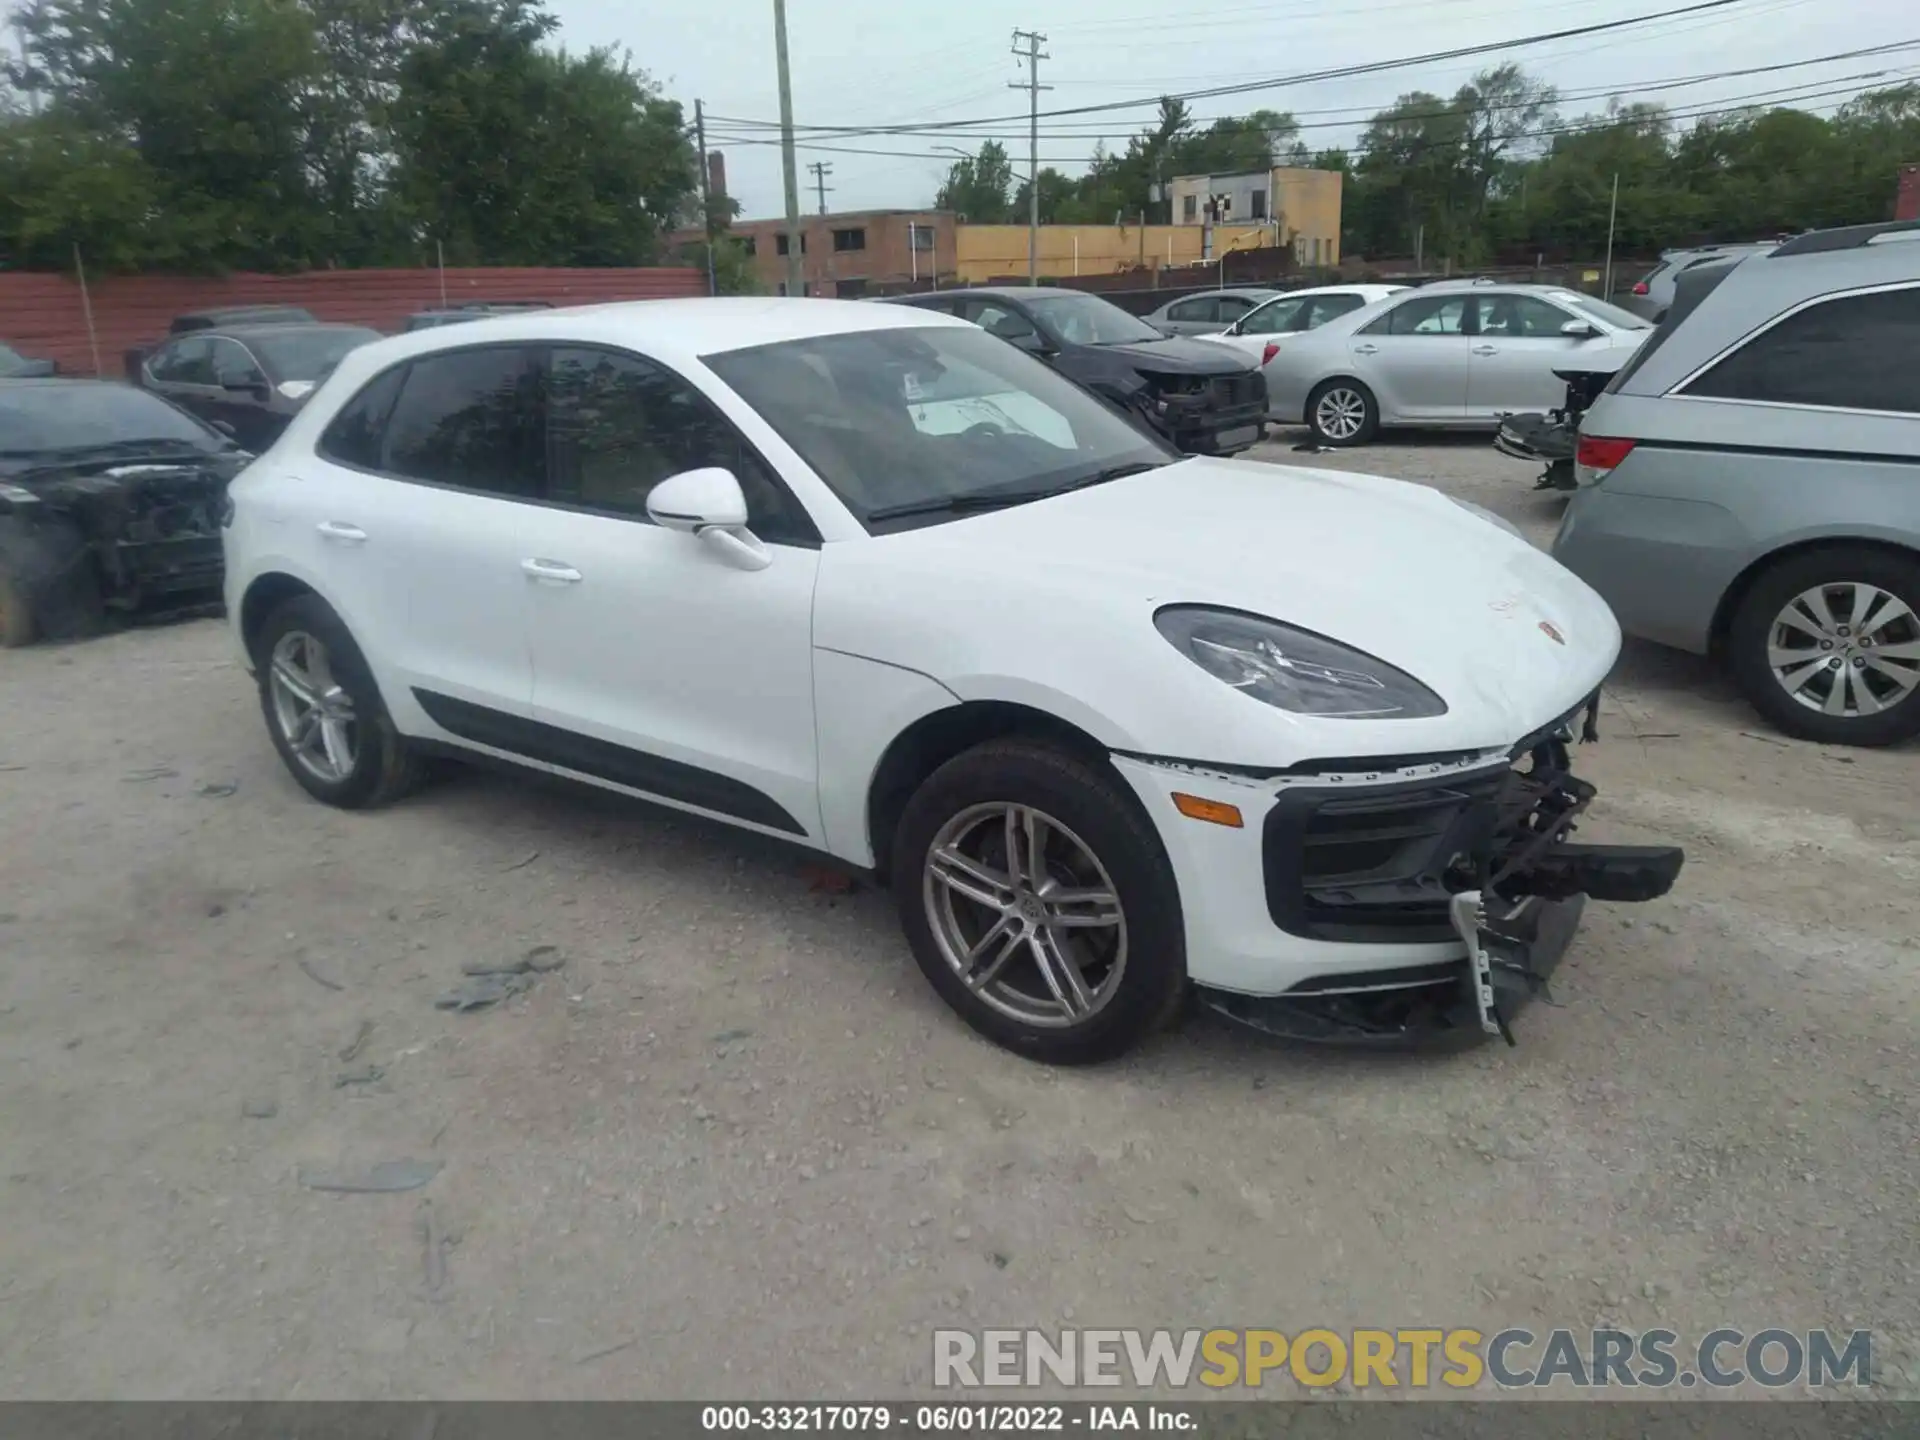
(735, 1146)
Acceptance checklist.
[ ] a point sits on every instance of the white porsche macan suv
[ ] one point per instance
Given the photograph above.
(1114, 724)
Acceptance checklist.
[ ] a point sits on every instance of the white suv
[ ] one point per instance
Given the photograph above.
(869, 579)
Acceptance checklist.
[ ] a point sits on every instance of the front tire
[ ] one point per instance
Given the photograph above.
(1826, 645)
(1039, 903)
(1342, 413)
(324, 712)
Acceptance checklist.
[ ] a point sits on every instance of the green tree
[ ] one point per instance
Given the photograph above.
(978, 186)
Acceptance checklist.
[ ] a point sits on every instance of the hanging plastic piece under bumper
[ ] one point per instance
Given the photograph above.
(1516, 888)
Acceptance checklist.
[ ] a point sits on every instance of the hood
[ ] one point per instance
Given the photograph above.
(1178, 355)
(1052, 603)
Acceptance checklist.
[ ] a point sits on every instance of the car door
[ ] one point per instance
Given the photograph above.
(182, 370)
(657, 664)
(1415, 358)
(1516, 344)
(416, 528)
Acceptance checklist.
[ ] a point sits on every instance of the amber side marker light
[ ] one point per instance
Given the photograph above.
(1214, 812)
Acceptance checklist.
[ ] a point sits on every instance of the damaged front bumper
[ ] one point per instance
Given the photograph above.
(1484, 859)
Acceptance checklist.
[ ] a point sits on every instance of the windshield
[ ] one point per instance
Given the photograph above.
(1612, 316)
(1089, 320)
(919, 416)
(37, 418)
(308, 354)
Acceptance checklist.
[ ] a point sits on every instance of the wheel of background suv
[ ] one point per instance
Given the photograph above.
(1826, 644)
(324, 712)
(1342, 412)
(1039, 903)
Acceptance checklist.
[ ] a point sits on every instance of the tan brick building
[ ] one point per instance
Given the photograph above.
(855, 253)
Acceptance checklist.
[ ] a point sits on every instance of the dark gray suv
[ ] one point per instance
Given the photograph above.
(1750, 482)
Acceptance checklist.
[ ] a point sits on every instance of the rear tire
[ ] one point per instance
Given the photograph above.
(1823, 606)
(323, 710)
(1105, 904)
(1342, 413)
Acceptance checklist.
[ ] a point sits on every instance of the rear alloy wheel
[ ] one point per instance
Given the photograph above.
(324, 712)
(1827, 646)
(1039, 903)
(1342, 412)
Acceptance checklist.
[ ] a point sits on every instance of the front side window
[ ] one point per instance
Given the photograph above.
(1273, 318)
(619, 425)
(1520, 317)
(925, 416)
(1854, 352)
(1004, 321)
(1423, 315)
(471, 419)
(185, 362)
(233, 361)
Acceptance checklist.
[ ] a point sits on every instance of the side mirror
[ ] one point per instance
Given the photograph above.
(1580, 329)
(708, 503)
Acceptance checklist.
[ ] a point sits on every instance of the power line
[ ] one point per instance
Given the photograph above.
(1361, 112)
(1277, 81)
(1728, 106)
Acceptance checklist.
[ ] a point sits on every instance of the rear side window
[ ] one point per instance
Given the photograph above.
(1855, 352)
(353, 436)
(472, 419)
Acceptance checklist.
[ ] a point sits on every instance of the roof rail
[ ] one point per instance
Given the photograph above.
(1847, 237)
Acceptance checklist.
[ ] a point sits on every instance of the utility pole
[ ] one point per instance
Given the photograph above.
(706, 199)
(821, 169)
(1033, 55)
(1613, 211)
(796, 284)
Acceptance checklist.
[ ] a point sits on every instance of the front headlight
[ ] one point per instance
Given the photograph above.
(1294, 670)
(1488, 516)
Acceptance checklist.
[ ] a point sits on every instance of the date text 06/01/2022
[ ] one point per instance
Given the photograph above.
(941, 1419)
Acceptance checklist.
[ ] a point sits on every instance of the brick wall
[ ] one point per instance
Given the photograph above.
(1906, 202)
(42, 316)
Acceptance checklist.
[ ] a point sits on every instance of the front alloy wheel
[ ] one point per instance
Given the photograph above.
(1025, 914)
(1342, 412)
(1038, 901)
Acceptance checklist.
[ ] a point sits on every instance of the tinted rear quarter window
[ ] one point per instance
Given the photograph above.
(1853, 352)
(353, 436)
(471, 419)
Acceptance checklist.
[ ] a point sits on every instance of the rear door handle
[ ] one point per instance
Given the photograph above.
(551, 572)
(345, 534)
(1486, 349)
(1366, 349)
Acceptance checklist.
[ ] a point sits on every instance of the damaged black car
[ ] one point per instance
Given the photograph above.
(110, 503)
(1207, 399)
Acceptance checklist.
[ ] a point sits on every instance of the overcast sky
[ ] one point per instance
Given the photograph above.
(864, 62)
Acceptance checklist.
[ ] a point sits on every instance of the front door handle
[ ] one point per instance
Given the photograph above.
(345, 534)
(1366, 349)
(551, 572)
(1486, 349)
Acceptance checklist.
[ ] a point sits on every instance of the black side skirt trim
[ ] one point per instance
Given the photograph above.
(604, 760)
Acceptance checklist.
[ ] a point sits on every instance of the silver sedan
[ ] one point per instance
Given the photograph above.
(1445, 356)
